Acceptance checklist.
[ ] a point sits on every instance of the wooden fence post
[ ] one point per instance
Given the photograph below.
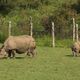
(9, 28)
(53, 37)
(74, 27)
(31, 24)
(76, 32)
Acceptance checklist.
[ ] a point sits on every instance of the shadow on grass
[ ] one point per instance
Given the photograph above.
(20, 57)
(72, 56)
(12, 58)
(69, 55)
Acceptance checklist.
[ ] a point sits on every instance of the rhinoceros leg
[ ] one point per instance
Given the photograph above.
(32, 54)
(30, 51)
(74, 53)
(9, 53)
(13, 53)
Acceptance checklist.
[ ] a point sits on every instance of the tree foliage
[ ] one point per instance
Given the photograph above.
(43, 13)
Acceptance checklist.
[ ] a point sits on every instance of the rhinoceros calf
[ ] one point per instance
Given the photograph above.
(18, 44)
(75, 48)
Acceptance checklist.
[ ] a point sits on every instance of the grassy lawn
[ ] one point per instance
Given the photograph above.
(49, 64)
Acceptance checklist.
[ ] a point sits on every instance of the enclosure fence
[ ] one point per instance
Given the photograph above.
(42, 38)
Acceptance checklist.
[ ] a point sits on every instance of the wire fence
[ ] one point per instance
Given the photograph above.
(62, 36)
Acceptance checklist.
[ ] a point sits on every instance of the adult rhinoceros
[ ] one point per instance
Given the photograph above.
(19, 44)
(76, 48)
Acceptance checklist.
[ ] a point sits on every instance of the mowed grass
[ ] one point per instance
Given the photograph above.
(48, 64)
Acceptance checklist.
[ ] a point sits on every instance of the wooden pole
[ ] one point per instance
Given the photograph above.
(74, 26)
(31, 32)
(9, 28)
(53, 37)
(76, 32)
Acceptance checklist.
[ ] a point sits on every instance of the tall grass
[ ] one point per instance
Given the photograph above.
(47, 41)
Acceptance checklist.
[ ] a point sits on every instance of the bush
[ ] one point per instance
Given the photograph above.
(44, 41)
(2, 37)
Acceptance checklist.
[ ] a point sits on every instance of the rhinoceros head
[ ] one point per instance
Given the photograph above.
(2, 52)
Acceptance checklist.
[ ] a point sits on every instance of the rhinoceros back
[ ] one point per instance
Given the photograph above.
(20, 43)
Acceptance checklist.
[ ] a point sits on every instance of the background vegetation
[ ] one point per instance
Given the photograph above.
(43, 13)
(49, 63)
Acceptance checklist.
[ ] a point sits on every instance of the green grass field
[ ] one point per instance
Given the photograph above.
(48, 64)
